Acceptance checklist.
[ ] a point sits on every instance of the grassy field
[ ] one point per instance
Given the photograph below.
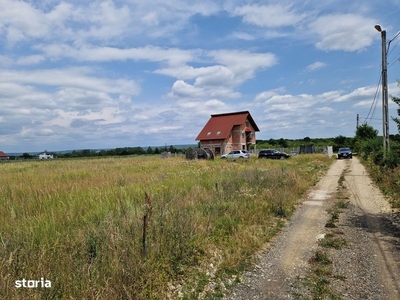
(80, 223)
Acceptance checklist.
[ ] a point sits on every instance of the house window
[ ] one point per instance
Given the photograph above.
(208, 133)
(218, 132)
(243, 135)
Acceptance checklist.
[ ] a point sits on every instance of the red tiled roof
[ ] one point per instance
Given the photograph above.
(219, 126)
(2, 154)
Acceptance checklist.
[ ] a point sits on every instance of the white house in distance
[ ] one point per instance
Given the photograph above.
(45, 155)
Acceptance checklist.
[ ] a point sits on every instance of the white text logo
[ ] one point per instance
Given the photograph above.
(42, 283)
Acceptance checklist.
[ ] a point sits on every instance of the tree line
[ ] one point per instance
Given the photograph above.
(112, 152)
(120, 152)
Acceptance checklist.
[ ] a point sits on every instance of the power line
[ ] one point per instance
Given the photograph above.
(379, 119)
(374, 102)
(371, 112)
(397, 36)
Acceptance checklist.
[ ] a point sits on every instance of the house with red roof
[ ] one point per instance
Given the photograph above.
(3, 156)
(229, 131)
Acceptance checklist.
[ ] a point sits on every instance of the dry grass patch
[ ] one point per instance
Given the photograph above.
(79, 223)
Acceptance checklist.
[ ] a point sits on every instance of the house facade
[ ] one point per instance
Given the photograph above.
(45, 155)
(3, 156)
(229, 131)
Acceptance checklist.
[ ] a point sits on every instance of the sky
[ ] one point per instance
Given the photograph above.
(82, 74)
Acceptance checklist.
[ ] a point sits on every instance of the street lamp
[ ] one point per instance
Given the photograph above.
(385, 110)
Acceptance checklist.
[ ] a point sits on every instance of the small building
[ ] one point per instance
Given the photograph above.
(229, 131)
(45, 155)
(3, 156)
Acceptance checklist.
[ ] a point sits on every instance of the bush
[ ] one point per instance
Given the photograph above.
(369, 147)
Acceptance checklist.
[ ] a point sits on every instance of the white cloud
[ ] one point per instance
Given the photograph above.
(347, 32)
(32, 25)
(181, 89)
(173, 56)
(274, 15)
(357, 95)
(269, 94)
(315, 66)
(30, 60)
(104, 116)
(244, 64)
(83, 78)
(151, 19)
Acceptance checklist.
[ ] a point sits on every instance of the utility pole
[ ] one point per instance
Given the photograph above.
(385, 108)
(358, 120)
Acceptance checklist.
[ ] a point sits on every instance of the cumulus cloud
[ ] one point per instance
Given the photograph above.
(275, 15)
(106, 66)
(284, 110)
(181, 89)
(244, 63)
(83, 78)
(347, 32)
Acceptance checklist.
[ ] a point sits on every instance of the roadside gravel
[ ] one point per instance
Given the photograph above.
(366, 267)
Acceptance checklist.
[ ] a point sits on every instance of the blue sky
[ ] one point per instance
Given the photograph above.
(118, 73)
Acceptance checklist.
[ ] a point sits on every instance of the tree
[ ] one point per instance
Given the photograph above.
(367, 142)
(366, 132)
(272, 142)
(150, 150)
(283, 143)
(26, 155)
(396, 119)
(340, 140)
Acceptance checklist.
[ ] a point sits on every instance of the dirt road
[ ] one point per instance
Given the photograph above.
(368, 267)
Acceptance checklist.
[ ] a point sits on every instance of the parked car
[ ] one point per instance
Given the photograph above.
(237, 154)
(344, 153)
(273, 154)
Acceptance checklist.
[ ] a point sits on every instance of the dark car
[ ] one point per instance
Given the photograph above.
(344, 153)
(273, 154)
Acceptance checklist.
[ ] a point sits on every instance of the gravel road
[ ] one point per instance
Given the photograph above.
(367, 267)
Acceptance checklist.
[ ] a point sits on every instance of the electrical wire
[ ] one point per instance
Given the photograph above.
(372, 109)
(374, 102)
(397, 36)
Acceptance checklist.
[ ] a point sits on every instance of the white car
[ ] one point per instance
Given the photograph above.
(237, 154)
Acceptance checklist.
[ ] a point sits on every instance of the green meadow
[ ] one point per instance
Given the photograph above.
(142, 227)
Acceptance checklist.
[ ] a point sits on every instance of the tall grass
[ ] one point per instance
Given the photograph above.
(79, 223)
(387, 179)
